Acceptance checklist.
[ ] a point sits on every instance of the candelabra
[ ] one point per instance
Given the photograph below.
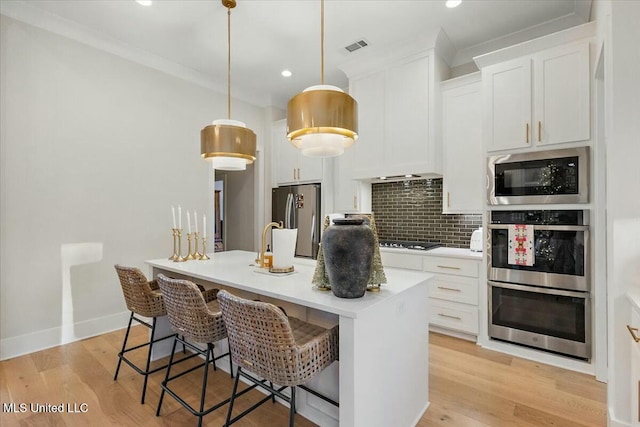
(204, 256)
(177, 246)
(189, 256)
(196, 254)
(174, 233)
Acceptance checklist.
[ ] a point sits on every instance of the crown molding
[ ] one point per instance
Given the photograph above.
(548, 41)
(36, 17)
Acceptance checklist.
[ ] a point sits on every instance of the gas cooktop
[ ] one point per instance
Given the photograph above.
(401, 244)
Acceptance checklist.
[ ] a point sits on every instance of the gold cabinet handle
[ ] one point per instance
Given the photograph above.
(633, 331)
(448, 199)
(450, 268)
(527, 132)
(444, 288)
(539, 131)
(355, 202)
(294, 173)
(450, 317)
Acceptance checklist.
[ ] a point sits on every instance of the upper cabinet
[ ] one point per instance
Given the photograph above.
(349, 195)
(396, 116)
(538, 99)
(368, 91)
(464, 163)
(289, 165)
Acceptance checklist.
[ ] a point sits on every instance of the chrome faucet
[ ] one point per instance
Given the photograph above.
(267, 227)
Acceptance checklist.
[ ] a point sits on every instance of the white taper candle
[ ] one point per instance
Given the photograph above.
(173, 213)
(188, 222)
(180, 217)
(195, 220)
(204, 226)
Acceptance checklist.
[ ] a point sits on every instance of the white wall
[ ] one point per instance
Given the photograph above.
(618, 28)
(93, 148)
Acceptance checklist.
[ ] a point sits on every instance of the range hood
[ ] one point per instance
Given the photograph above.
(405, 177)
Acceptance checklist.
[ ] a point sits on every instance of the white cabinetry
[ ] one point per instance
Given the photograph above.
(290, 166)
(408, 147)
(396, 114)
(401, 260)
(368, 91)
(464, 162)
(635, 369)
(538, 99)
(453, 293)
(350, 195)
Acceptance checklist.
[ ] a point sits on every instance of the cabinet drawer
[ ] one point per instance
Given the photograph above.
(454, 288)
(451, 315)
(407, 261)
(457, 266)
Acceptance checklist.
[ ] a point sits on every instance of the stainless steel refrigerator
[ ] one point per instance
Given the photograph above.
(298, 206)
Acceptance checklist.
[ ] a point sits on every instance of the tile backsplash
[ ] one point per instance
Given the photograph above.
(412, 210)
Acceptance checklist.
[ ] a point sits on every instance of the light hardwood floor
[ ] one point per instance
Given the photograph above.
(469, 386)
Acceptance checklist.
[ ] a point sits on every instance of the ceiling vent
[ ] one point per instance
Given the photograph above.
(356, 45)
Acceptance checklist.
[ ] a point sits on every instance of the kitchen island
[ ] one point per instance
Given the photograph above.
(382, 376)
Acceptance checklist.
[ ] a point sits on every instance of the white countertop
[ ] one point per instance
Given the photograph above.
(235, 269)
(441, 251)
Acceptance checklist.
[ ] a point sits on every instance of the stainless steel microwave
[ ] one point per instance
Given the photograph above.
(540, 177)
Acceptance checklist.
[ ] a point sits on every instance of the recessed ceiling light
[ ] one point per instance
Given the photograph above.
(286, 73)
(453, 3)
(144, 2)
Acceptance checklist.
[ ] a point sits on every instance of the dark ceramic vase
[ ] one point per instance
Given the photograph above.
(347, 248)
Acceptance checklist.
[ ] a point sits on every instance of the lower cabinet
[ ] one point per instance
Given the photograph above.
(453, 294)
(635, 369)
(401, 260)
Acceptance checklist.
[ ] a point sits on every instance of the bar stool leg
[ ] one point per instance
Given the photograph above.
(233, 396)
(292, 408)
(124, 346)
(146, 370)
(166, 377)
(273, 396)
(204, 380)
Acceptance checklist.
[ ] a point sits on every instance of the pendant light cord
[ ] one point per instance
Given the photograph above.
(229, 62)
(322, 42)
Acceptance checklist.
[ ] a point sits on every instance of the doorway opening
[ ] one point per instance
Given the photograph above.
(218, 209)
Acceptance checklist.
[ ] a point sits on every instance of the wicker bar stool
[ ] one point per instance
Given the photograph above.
(143, 298)
(194, 321)
(283, 351)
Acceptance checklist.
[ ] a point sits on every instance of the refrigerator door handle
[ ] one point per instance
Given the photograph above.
(287, 210)
(313, 228)
(291, 217)
(292, 211)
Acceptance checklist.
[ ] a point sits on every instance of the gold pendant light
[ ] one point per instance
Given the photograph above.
(228, 144)
(322, 120)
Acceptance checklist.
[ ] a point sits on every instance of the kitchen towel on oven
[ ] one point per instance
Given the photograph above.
(521, 245)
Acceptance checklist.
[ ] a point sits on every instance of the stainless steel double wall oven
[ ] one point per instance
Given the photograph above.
(546, 305)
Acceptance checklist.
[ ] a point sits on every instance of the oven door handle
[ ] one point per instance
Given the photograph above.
(545, 227)
(526, 288)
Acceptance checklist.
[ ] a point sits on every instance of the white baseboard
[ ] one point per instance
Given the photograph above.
(452, 333)
(540, 356)
(47, 338)
(612, 421)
